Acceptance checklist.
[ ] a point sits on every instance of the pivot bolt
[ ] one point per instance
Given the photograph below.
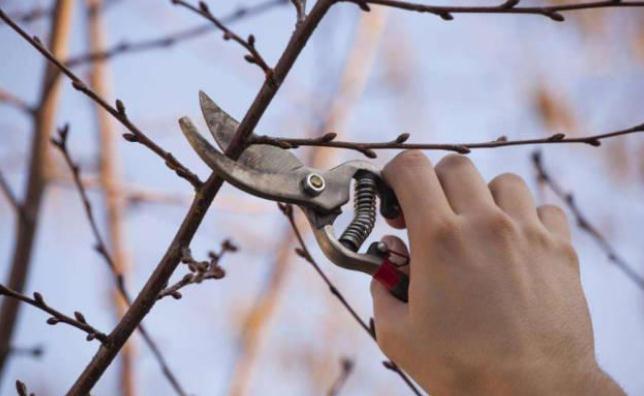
(313, 184)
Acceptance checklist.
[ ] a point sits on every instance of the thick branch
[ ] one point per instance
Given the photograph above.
(304, 252)
(328, 140)
(582, 221)
(202, 201)
(118, 111)
(77, 321)
(127, 47)
(101, 248)
(253, 55)
(553, 12)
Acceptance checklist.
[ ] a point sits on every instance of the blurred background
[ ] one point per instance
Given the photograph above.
(271, 326)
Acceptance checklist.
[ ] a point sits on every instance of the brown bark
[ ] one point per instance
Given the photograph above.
(353, 80)
(110, 182)
(27, 224)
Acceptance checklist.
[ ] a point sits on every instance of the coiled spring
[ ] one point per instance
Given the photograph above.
(364, 202)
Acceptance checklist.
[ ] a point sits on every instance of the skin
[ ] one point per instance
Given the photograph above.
(495, 299)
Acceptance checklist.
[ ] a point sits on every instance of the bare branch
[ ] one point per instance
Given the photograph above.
(32, 15)
(583, 222)
(554, 12)
(253, 55)
(328, 140)
(21, 388)
(300, 10)
(10, 195)
(346, 367)
(199, 270)
(118, 111)
(77, 321)
(18, 103)
(101, 248)
(304, 252)
(127, 47)
(35, 351)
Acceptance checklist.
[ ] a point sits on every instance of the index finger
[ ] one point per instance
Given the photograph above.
(420, 195)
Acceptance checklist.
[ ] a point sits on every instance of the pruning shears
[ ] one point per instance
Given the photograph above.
(276, 174)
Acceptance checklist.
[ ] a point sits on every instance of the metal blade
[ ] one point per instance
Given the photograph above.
(261, 157)
(285, 186)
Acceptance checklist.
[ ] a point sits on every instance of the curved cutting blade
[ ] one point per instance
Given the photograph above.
(282, 186)
(261, 157)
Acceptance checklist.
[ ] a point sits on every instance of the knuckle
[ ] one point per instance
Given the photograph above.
(568, 251)
(453, 161)
(497, 222)
(444, 229)
(505, 180)
(552, 210)
(538, 235)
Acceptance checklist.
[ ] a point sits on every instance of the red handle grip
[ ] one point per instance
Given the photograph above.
(396, 281)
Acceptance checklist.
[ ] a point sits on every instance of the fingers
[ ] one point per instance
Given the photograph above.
(398, 222)
(512, 195)
(399, 253)
(554, 219)
(390, 316)
(413, 179)
(464, 187)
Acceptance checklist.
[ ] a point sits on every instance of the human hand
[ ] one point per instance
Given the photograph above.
(495, 298)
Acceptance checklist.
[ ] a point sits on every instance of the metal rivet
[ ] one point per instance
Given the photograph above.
(313, 184)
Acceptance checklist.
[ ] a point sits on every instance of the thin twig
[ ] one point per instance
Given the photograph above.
(583, 222)
(18, 103)
(10, 195)
(21, 388)
(346, 367)
(300, 10)
(78, 321)
(253, 55)
(127, 47)
(32, 15)
(553, 12)
(35, 351)
(303, 251)
(368, 149)
(117, 111)
(101, 248)
(199, 270)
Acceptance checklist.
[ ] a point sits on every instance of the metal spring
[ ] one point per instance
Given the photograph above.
(364, 203)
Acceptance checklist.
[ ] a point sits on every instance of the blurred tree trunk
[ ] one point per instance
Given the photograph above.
(27, 222)
(356, 71)
(110, 182)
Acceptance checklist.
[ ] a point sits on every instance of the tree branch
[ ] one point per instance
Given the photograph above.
(17, 103)
(199, 270)
(21, 388)
(346, 368)
(77, 321)
(118, 112)
(583, 222)
(304, 252)
(10, 195)
(328, 140)
(101, 248)
(253, 55)
(126, 47)
(553, 12)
